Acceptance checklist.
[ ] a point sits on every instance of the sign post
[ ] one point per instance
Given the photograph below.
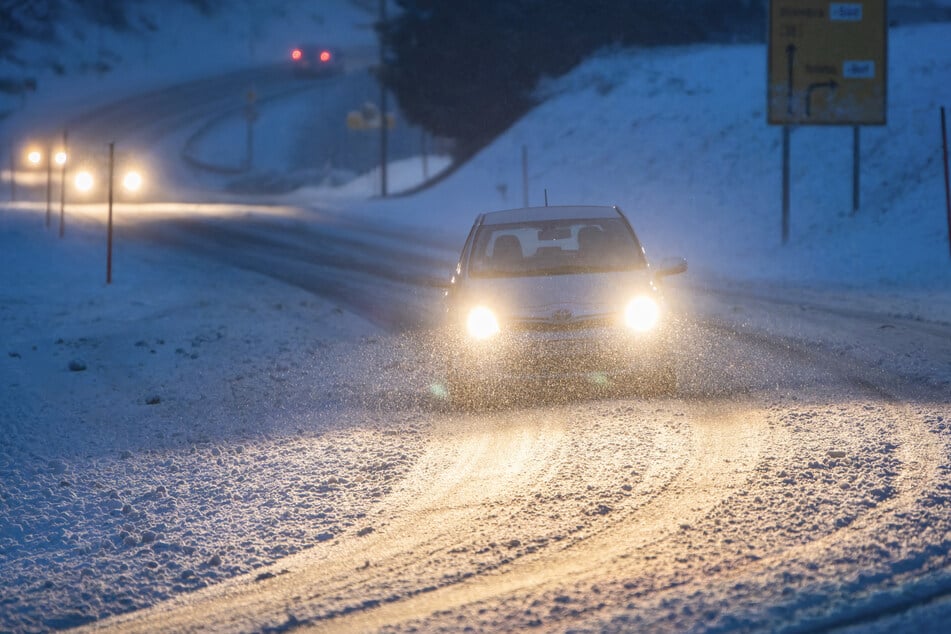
(856, 172)
(785, 184)
(827, 64)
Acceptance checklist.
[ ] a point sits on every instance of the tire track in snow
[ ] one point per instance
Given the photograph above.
(461, 471)
(918, 451)
(722, 450)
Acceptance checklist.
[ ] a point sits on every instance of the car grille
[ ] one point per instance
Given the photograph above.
(548, 324)
(566, 350)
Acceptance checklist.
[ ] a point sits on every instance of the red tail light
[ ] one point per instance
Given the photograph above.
(296, 54)
(325, 56)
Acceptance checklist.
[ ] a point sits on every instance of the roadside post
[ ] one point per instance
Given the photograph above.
(13, 172)
(383, 116)
(62, 188)
(524, 176)
(423, 151)
(827, 65)
(49, 184)
(947, 184)
(112, 174)
(250, 116)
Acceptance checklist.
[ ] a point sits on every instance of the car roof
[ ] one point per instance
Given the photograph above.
(531, 214)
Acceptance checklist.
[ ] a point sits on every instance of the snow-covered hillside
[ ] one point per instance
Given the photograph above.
(78, 63)
(678, 139)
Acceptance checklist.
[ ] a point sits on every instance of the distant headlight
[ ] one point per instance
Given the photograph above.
(84, 181)
(641, 314)
(482, 323)
(132, 181)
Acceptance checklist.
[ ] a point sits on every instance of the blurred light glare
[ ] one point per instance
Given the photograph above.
(132, 181)
(325, 56)
(641, 314)
(482, 323)
(296, 54)
(84, 181)
(60, 158)
(34, 157)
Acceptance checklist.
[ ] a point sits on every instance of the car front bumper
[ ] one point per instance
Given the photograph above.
(592, 354)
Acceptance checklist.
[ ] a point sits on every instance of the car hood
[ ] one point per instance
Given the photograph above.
(557, 298)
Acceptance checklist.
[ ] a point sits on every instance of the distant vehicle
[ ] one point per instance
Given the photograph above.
(555, 294)
(316, 61)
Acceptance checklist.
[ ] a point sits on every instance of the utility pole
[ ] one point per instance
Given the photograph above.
(383, 131)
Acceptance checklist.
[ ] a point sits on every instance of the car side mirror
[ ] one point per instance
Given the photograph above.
(671, 266)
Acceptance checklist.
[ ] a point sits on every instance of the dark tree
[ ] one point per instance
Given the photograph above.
(467, 69)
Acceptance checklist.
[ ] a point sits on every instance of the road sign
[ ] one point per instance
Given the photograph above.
(369, 119)
(827, 62)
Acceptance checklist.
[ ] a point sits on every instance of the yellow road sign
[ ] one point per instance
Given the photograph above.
(827, 62)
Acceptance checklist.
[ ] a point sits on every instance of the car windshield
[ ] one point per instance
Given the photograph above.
(555, 247)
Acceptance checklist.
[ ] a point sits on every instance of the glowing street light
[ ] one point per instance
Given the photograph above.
(132, 181)
(84, 181)
(34, 157)
(60, 157)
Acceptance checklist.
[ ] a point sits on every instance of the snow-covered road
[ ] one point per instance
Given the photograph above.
(796, 480)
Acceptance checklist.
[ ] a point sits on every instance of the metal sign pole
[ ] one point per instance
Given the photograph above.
(785, 184)
(856, 170)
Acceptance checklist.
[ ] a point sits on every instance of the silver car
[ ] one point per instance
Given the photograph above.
(556, 296)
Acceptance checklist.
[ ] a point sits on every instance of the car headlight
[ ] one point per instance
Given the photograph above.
(481, 323)
(641, 314)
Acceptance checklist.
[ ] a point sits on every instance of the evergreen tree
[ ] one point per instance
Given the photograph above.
(467, 69)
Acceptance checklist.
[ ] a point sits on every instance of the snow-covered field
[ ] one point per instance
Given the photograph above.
(194, 422)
